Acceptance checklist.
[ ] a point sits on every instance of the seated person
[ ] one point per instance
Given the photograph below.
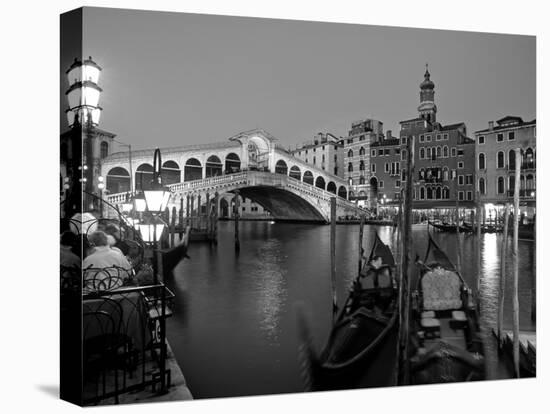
(99, 267)
(69, 261)
(115, 232)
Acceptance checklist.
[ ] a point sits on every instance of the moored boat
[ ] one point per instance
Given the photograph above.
(365, 323)
(445, 327)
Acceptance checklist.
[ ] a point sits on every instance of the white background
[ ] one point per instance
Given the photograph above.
(29, 70)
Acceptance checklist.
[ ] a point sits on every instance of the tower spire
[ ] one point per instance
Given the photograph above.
(427, 108)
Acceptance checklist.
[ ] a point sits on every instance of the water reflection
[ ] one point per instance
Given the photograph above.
(270, 288)
(234, 327)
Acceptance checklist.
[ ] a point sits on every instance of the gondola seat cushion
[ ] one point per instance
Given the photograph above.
(441, 290)
(430, 323)
(459, 316)
(427, 314)
(458, 320)
(431, 326)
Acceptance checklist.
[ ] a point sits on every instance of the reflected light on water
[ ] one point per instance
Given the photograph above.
(271, 290)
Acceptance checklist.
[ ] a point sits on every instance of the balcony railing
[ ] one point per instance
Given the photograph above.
(524, 193)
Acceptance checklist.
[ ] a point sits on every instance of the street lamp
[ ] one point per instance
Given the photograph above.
(153, 201)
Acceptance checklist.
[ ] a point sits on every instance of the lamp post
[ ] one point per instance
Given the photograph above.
(83, 116)
(153, 201)
(100, 186)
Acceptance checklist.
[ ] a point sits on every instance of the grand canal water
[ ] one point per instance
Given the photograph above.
(234, 328)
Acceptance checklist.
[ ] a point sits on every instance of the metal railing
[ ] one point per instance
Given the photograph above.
(524, 193)
(137, 357)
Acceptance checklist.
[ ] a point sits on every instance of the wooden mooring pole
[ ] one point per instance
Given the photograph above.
(236, 214)
(216, 216)
(405, 282)
(173, 226)
(478, 249)
(515, 261)
(333, 256)
(361, 230)
(502, 281)
(534, 272)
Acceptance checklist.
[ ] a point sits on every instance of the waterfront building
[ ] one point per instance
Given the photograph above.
(324, 151)
(357, 157)
(385, 172)
(495, 162)
(444, 156)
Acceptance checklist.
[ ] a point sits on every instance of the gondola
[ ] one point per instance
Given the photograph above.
(449, 228)
(364, 324)
(446, 338)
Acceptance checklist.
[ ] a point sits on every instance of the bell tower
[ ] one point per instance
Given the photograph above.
(427, 108)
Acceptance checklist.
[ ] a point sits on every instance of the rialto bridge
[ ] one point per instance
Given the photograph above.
(250, 163)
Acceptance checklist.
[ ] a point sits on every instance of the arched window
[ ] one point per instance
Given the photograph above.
(500, 159)
(500, 185)
(428, 153)
(192, 170)
(445, 193)
(429, 193)
(361, 165)
(214, 166)
(281, 168)
(512, 160)
(361, 180)
(171, 172)
(438, 152)
(512, 183)
(350, 153)
(421, 174)
(530, 182)
(445, 151)
(422, 153)
(438, 193)
(104, 149)
(320, 182)
(331, 187)
(308, 178)
(350, 167)
(295, 172)
(522, 182)
(445, 174)
(232, 163)
(118, 180)
(361, 151)
(422, 193)
(144, 176)
(481, 161)
(482, 186)
(342, 192)
(528, 159)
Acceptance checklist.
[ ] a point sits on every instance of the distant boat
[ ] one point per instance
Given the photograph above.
(364, 324)
(446, 337)
(449, 227)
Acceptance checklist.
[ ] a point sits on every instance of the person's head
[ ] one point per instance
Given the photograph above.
(69, 239)
(376, 262)
(113, 230)
(98, 238)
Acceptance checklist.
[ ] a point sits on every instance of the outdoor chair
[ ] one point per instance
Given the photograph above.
(100, 350)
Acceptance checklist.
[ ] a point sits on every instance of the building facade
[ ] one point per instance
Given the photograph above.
(495, 162)
(444, 157)
(385, 172)
(357, 157)
(324, 151)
